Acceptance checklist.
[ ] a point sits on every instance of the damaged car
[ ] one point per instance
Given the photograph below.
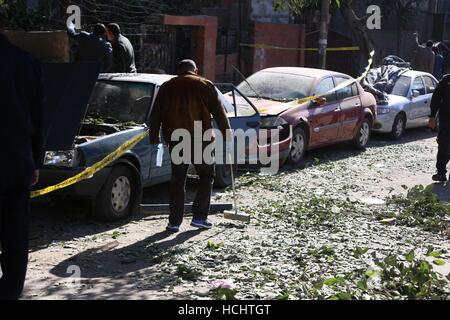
(89, 116)
(403, 96)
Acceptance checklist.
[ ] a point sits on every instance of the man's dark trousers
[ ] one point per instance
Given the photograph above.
(443, 157)
(14, 230)
(202, 200)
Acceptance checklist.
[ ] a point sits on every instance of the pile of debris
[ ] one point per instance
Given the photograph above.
(380, 81)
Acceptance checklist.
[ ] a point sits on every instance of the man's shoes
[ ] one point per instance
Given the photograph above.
(173, 229)
(202, 224)
(440, 178)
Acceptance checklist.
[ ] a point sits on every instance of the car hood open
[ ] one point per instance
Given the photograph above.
(67, 89)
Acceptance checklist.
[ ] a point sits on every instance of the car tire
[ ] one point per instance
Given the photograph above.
(120, 196)
(223, 178)
(363, 135)
(299, 146)
(399, 127)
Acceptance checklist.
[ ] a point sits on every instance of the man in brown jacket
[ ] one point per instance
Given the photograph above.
(181, 102)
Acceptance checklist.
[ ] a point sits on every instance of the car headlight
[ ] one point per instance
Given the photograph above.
(383, 110)
(272, 122)
(66, 159)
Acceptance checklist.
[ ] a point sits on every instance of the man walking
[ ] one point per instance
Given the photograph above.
(123, 52)
(21, 134)
(93, 47)
(440, 104)
(424, 58)
(180, 103)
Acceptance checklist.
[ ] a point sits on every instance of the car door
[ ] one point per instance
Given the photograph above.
(244, 116)
(419, 102)
(350, 103)
(325, 120)
(159, 173)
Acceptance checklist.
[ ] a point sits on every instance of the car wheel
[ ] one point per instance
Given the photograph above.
(398, 129)
(223, 178)
(299, 144)
(363, 136)
(120, 196)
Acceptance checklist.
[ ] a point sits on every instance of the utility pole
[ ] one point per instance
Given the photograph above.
(323, 41)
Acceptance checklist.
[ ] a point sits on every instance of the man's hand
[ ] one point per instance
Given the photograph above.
(35, 178)
(432, 123)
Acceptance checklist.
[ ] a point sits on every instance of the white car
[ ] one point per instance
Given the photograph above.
(408, 104)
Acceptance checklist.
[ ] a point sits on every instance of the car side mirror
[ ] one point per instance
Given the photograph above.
(319, 102)
(415, 94)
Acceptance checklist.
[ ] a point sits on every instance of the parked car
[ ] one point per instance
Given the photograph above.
(408, 104)
(89, 119)
(343, 115)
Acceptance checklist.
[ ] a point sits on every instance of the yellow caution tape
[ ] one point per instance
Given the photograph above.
(91, 171)
(270, 47)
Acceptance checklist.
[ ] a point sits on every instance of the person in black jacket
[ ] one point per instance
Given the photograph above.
(123, 51)
(92, 47)
(21, 136)
(440, 106)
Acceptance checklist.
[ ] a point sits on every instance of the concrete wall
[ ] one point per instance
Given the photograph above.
(47, 46)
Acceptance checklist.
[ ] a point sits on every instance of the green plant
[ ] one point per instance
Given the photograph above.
(420, 208)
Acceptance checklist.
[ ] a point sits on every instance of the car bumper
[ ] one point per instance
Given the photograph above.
(384, 122)
(87, 188)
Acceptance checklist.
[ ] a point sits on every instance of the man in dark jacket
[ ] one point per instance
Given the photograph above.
(181, 102)
(440, 105)
(92, 47)
(21, 134)
(123, 51)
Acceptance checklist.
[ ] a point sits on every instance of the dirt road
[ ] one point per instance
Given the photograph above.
(316, 233)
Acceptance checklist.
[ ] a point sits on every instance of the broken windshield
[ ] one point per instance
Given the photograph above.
(277, 86)
(119, 102)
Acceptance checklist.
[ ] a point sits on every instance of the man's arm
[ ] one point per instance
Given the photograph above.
(108, 59)
(217, 110)
(155, 119)
(437, 100)
(37, 116)
(74, 35)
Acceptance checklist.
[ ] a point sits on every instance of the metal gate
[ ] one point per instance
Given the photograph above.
(154, 46)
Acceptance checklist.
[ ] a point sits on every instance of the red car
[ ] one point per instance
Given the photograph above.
(345, 114)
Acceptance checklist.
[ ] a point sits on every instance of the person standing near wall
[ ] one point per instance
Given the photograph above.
(93, 47)
(21, 134)
(438, 64)
(123, 51)
(424, 58)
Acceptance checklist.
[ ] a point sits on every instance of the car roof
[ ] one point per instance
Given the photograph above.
(157, 79)
(308, 72)
(415, 73)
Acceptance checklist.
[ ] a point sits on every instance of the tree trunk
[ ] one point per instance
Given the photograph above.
(323, 41)
(359, 30)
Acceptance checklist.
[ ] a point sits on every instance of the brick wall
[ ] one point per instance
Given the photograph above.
(281, 35)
